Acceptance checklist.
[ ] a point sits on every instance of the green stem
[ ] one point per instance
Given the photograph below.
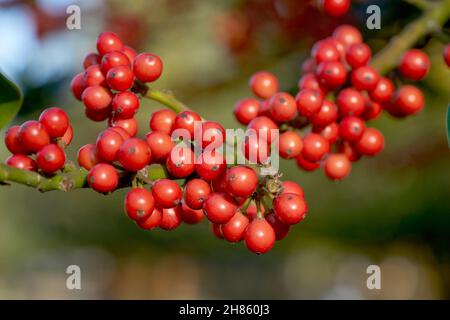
(167, 99)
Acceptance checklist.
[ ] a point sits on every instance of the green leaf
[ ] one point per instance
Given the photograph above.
(11, 99)
(448, 125)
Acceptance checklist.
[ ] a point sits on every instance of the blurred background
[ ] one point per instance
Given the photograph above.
(393, 211)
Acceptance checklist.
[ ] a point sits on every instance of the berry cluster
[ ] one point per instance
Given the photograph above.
(339, 92)
(46, 139)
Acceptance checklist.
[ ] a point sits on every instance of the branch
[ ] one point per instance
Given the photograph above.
(167, 99)
(420, 4)
(432, 20)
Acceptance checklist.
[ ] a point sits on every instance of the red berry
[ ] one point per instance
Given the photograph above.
(93, 76)
(171, 218)
(12, 141)
(351, 128)
(336, 8)
(324, 51)
(180, 162)
(210, 166)
(125, 105)
(383, 91)
(358, 55)
(337, 166)
(371, 142)
(365, 78)
(252, 211)
(55, 122)
(281, 229)
(255, 148)
(290, 208)
(130, 53)
(283, 107)
(331, 74)
(315, 147)
(306, 164)
(292, 187)
(350, 102)
(152, 221)
(234, 229)
(327, 114)
(309, 65)
(103, 178)
(77, 85)
(349, 150)
(123, 133)
(186, 120)
(108, 144)
(167, 193)
(263, 127)
(372, 110)
(310, 81)
(290, 144)
(129, 125)
(91, 59)
(98, 115)
(329, 132)
(21, 161)
(409, 99)
(209, 133)
(191, 216)
(114, 59)
(246, 110)
(414, 64)
(139, 204)
(217, 230)
(259, 236)
(67, 137)
(50, 158)
(147, 67)
(120, 78)
(88, 156)
(347, 35)
(446, 55)
(96, 98)
(219, 207)
(309, 101)
(134, 154)
(162, 121)
(33, 136)
(195, 193)
(108, 42)
(241, 181)
(263, 84)
(160, 145)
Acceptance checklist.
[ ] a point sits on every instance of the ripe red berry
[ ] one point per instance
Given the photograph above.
(147, 67)
(96, 98)
(315, 147)
(308, 65)
(349, 150)
(414, 64)
(180, 162)
(152, 221)
(12, 141)
(108, 42)
(108, 144)
(234, 229)
(123, 133)
(160, 145)
(67, 137)
(191, 216)
(263, 127)
(335, 8)
(292, 187)
(281, 229)
(347, 35)
(103, 178)
(305, 164)
(310, 81)
(88, 156)
(129, 125)
(365, 78)
(255, 148)
(217, 230)
(125, 105)
(98, 115)
(134, 154)
(283, 107)
(114, 59)
(246, 110)
(309, 102)
(21, 161)
(91, 59)
(290, 208)
(371, 142)
(337, 166)
(210, 167)
(55, 122)
(446, 55)
(259, 236)
(167, 193)
(263, 84)
(171, 218)
(93, 76)
(350, 102)
(290, 144)
(139, 204)
(383, 91)
(241, 181)
(372, 110)
(162, 121)
(77, 85)
(50, 158)
(324, 51)
(409, 99)
(329, 132)
(195, 193)
(331, 74)
(186, 120)
(130, 53)
(358, 55)
(219, 207)
(209, 133)
(351, 128)
(327, 114)
(33, 136)
(120, 78)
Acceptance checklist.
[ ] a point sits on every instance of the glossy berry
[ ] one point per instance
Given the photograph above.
(139, 204)
(246, 110)
(195, 193)
(350, 102)
(383, 90)
(125, 105)
(209, 133)
(281, 229)
(283, 107)
(67, 137)
(77, 85)
(241, 181)
(21, 161)
(160, 145)
(372, 110)
(409, 99)
(120, 78)
(332, 74)
(167, 193)
(55, 122)
(358, 55)
(210, 167)
(290, 144)
(93, 76)
(335, 8)
(180, 162)
(255, 148)
(186, 120)
(91, 59)
(305, 164)
(114, 59)
(347, 35)
(123, 133)
(259, 236)
(310, 81)
(327, 114)
(191, 216)
(292, 187)
(351, 128)
(171, 218)
(217, 230)
(365, 78)
(324, 51)
(129, 125)
(130, 53)
(329, 132)
(103, 178)
(12, 141)
(108, 144)
(88, 156)
(33, 136)
(50, 158)
(264, 127)
(349, 150)
(152, 221)
(414, 64)
(162, 121)
(234, 229)
(96, 98)
(337, 166)
(309, 102)
(108, 42)
(147, 67)
(371, 142)
(219, 207)
(98, 115)
(134, 154)
(290, 208)
(263, 84)
(314, 147)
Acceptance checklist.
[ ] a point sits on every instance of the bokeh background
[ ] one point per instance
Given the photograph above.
(393, 211)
